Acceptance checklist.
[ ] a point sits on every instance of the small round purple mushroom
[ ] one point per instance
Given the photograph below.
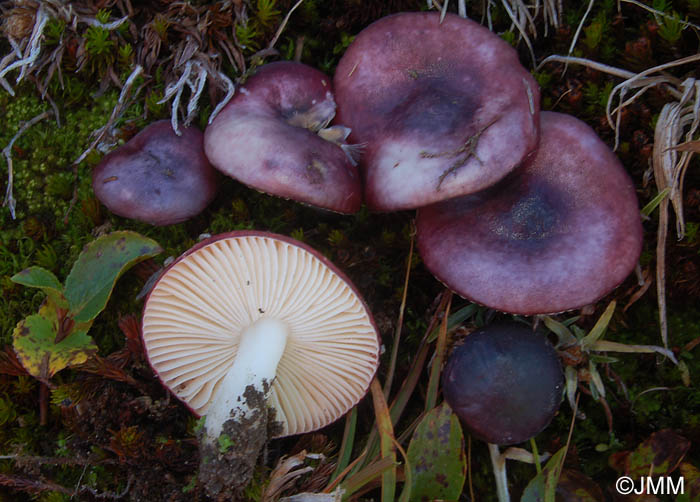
(442, 109)
(274, 136)
(560, 233)
(157, 176)
(504, 382)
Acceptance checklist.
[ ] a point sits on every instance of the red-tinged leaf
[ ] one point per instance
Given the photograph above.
(691, 483)
(663, 450)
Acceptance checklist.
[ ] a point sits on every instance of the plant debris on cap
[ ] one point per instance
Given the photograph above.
(274, 136)
(504, 382)
(198, 310)
(442, 109)
(558, 234)
(157, 176)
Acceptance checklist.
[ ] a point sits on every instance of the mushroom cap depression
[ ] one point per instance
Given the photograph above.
(157, 176)
(267, 138)
(558, 234)
(504, 382)
(442, 109)
(197, 310)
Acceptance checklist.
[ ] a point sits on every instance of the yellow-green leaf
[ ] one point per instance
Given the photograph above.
(36, 346)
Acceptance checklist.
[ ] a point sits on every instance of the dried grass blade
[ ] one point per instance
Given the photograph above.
(399, 323)
(440, 347)
(367, 475)
(386, 440)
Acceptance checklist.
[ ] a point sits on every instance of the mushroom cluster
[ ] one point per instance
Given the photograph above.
(521, 211)
(520, 218)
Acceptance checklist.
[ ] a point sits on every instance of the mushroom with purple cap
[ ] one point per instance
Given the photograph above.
(558, 234)
(274, 136)
(247, 321)
(157, 176)
(505, 383)
(441, 107)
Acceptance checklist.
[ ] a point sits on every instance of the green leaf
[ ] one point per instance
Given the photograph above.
(565, 336)
(596, 380)
(542, 487)
(599, 329)
(574, 486)
(92, 278)
(34, 341)
(654, 203)
(571, 378)
(608, 346)
(436, 454)
(454, 320)
(38, 277)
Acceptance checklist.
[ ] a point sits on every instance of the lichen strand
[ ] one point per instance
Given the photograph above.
(227, 465)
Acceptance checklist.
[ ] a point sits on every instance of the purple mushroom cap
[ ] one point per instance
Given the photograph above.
(157, 176)
(273, 136)
(504, 382)
(442, 109)
(558, 234)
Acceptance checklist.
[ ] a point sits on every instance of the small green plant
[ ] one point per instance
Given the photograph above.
(246, 35)
(98, 42)
(56, 337)
(593, 34)
(592, 349)
(671, 27)
(126, 55)
(266, 14)
(225, 443)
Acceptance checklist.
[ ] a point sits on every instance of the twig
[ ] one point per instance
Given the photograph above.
(36, 460)
(9, 200)
(685, 23)
(283, 25)
(522, 31)
(578, 32)
(31, 54)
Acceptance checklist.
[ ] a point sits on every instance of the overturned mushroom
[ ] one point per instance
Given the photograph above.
(250, 320)
(274, 136)
(558, 234)
(505, 383)
(157, 176)
(442, 108)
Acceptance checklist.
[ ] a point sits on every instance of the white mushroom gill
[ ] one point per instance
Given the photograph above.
(206, 323)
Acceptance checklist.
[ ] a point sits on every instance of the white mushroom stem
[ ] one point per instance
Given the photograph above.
(499, 472)
(259, 352)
